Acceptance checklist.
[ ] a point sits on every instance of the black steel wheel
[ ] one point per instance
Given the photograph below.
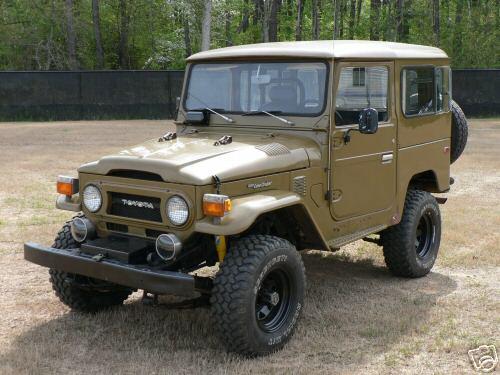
(424, 235)
(258, 294)
(411, 247)
(273, 302)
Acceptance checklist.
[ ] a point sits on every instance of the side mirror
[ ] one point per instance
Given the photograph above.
(196, 117)
(368, 121)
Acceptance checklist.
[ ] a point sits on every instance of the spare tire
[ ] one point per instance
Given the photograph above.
(459, 131)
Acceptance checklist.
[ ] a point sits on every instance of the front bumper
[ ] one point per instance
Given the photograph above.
(134, 276)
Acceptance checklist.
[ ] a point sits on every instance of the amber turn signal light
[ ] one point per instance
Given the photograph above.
(67, 185)
(216, 205)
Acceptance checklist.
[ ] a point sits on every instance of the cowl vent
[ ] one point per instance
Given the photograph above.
(273, 149)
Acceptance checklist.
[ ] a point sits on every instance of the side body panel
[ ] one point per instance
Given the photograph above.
(423, 141)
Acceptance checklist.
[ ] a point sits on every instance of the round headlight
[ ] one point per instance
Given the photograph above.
(92, 198)
(177, 210)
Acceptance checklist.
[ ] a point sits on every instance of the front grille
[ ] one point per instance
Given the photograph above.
(135, 207)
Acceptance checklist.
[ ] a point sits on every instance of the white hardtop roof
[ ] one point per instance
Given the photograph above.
(325, 49)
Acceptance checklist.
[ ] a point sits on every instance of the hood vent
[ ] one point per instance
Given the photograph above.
(300, 185)
(273, 149)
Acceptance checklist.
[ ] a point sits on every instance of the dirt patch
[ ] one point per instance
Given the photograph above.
(358, 318)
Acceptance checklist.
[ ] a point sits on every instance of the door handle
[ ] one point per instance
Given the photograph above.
(387, 158)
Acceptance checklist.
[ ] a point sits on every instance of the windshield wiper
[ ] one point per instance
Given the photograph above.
(272, 114)
(214, 111)
(226, 118)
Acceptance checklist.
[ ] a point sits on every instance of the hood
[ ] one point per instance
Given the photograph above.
(194, 159)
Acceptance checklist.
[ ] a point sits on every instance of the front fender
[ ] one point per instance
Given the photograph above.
(245, 211)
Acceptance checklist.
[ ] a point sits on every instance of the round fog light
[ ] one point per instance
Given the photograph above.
(168, 246)
(82, 228)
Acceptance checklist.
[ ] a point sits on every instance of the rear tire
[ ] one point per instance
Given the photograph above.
(258, 294)
(83, 293)
(459, 132)
(411, 247)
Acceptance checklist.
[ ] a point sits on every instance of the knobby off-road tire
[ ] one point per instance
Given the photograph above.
(459, 131)
(411, 247)
(78, 292)
(258, 294)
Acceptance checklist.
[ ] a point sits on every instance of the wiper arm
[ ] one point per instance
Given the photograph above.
(282, 119)
(226, 118)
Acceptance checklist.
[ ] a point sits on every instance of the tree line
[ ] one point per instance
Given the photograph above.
(160, 34)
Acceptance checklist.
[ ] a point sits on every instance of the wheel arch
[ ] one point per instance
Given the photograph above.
(249, 211)
(296, 226)
(428, 180)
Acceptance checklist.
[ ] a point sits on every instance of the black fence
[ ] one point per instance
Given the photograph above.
(152, 94)
(89, 95)
(477, 91)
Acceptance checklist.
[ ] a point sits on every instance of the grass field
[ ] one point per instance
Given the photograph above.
(358, 318)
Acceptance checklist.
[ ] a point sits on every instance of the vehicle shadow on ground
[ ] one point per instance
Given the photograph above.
(354, 310)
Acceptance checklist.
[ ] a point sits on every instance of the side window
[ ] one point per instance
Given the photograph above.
(360, 88)
(426, 90)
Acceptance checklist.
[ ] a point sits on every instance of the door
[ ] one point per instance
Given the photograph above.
(363, 171)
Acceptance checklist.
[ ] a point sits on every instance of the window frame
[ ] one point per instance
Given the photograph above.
(320, 112)
(364, 64)
(449, 78)
(434, 83)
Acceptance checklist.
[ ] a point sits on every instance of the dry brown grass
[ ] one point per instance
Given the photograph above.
(357, 318)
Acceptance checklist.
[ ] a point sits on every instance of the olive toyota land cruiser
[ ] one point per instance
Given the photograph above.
(279, 147)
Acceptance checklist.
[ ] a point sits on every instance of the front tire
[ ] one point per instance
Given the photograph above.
(411, 247)
(258, 294)
(82, 293)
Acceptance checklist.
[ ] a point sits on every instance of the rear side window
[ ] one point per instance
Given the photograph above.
(426, 90)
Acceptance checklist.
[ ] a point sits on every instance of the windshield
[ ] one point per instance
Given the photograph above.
(288, 88)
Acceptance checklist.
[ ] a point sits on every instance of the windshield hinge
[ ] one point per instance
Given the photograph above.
(225, 140)
(168, 137)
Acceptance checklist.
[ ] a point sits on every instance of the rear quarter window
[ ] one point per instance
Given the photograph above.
(425, 90)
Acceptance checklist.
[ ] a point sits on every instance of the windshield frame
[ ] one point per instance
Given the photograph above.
(320, 112)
